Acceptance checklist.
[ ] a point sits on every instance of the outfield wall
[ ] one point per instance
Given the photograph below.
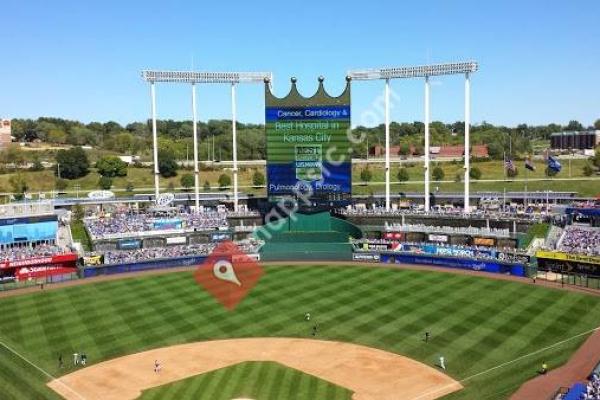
(89, 272)
(514, 269)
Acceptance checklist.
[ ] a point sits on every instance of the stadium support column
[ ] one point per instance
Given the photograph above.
(235, 166)
(427, 191)
(154, 140)
(196, 170)
(387, 144)
(467, 141)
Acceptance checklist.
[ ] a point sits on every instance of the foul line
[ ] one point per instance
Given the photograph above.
(507, 363)
(44, 372)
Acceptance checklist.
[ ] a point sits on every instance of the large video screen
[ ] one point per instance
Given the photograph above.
(308, 149)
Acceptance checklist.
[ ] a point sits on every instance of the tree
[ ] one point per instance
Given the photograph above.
(475, 173)
(596, 158)
(129, 187)
(72, 163)
(57, 136)
(187, 181)
(123, 142)
(171, 187)
(574, 126)
(61, 184)
(18, 183)
(105, 182)
(403, 175)
(404, 149)
(588, 170)
(224, 181)
(167, 163)
(111, 166)
(597, 124)
(438, 173)
(366, 175)
(458, 177)
(258, 178)
(13, 154)
(36, 165)
(206, 186)
(78, 212)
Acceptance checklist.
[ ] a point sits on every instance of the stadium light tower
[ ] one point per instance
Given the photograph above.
(191, 77)
(422, 71)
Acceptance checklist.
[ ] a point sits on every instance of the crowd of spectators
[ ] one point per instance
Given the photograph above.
(446, 211)
(592, 388)
(467, 251)
(152, 253)
(16, 253)
(122, 224)
(580, 240)
(451, 230)
(144, 254)
(582, 391)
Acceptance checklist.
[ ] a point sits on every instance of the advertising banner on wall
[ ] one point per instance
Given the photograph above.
(480, 241)
(437, 238)
(129, 244)
(370, 257)
(61, 259)
(177, 240)
(559, 255)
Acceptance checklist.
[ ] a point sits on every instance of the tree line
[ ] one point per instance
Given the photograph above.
(216, 139)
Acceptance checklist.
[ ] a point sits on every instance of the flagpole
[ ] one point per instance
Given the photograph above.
(526, 191)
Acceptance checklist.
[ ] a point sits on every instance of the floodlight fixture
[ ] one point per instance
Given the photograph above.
(205, 77)
(420, 71)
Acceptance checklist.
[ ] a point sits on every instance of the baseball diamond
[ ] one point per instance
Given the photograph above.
(475, 322)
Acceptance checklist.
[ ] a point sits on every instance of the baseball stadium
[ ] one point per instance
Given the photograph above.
(306, 293)
(319, 253)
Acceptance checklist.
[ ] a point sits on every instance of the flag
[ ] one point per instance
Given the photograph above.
(529, 164)
(509, 165)
(554, 164)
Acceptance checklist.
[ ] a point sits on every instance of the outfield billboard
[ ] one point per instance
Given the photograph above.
(308, 147)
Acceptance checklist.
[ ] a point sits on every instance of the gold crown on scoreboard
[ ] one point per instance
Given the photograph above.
(294, 98)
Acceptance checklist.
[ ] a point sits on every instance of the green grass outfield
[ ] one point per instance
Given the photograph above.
(250, 380)
(476, 323)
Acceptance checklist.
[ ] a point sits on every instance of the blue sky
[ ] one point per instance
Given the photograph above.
(539, 60)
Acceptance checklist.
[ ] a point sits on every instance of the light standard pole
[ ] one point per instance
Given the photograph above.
(421, 71)
(192, 77)
(234, 134)
(196, 169)
(387, 144)
(154, 141)
(467, 177)
(427, 151)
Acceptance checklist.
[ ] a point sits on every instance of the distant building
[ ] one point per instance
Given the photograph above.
(379, 151)
(577, 140)
(5, 133)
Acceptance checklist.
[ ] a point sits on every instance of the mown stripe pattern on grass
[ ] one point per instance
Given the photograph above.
(250, 380)
(476, 323)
